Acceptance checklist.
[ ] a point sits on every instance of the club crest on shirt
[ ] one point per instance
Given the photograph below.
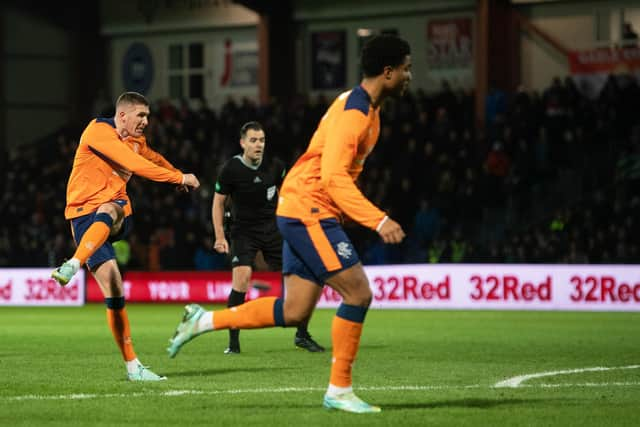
(271, 191)
(344, 250)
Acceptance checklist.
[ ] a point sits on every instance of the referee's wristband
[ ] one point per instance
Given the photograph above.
(381, 223)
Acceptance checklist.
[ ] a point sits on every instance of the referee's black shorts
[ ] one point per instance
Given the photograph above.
(246, 241)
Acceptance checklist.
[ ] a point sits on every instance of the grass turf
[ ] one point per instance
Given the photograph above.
(59, 366)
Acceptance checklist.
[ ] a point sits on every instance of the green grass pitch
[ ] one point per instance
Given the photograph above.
(60, 367)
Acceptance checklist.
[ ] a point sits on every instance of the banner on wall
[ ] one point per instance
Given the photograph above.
(137, 68)
(187, 286)
(591, 68)
(450, 50)
(328, 60)
(501, 287)
(240, 65)
(437, 286)
(35, 287)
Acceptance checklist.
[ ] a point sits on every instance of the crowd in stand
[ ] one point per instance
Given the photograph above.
(552, 177)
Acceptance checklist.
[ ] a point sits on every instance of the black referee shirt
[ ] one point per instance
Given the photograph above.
(253, 190)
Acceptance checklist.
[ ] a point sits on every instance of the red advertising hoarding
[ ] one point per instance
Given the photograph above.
(420, 286)
(186, 286)
(501, 287)
(424, 286)
(34, 286)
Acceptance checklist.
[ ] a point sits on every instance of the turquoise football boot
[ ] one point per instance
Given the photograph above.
(186, 330)
(143, 373)
(64, 273)
(349, 402)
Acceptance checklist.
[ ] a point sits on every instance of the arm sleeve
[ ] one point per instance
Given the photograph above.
(156, 158)
(339, 151)
(281, 170)
(102, 141)
(223, 182)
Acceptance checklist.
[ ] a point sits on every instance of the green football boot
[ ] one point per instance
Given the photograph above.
(186, 330)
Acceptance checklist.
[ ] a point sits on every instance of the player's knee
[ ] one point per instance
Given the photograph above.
(359, 295)
(294, 317)
(362, 297)
(114, 211)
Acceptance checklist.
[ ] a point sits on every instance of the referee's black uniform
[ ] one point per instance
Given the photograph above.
(254, 197)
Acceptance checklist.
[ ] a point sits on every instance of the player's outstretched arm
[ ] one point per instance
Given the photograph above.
(101, 142)
(157, 158)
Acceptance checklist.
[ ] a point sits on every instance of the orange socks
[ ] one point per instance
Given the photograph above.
(345, 335)
(259, 313)
(119, 324)
(94, 237)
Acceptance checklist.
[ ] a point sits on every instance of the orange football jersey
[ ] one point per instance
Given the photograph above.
(103, 164)
(322, 182)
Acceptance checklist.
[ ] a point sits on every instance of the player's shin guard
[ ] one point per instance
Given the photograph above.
(260, 313)
(345, 335)
(119, 324)
(94, 237)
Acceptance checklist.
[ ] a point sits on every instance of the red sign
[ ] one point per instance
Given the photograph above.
(592, 68)
(605, 60)
(187, 286)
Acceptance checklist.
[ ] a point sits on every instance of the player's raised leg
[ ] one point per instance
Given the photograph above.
(93, 230)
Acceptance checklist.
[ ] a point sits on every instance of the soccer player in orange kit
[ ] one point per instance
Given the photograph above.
(317, 193)
(110, 151)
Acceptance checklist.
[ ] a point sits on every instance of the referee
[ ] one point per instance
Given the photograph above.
(251, 182)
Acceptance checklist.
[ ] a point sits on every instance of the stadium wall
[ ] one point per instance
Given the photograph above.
(576, 25)
(143, 46)
(36, 80)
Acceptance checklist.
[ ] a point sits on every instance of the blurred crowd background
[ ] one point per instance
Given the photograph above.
(552, 178)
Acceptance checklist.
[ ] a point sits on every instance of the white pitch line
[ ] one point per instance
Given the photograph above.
(516, 381)
(178, 393)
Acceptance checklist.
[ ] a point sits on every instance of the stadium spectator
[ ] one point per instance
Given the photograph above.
(629, 36)
(604, 135)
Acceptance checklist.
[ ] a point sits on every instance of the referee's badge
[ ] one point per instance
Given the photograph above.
(271, 191)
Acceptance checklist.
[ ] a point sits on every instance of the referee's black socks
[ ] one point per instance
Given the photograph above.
(235, 298)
